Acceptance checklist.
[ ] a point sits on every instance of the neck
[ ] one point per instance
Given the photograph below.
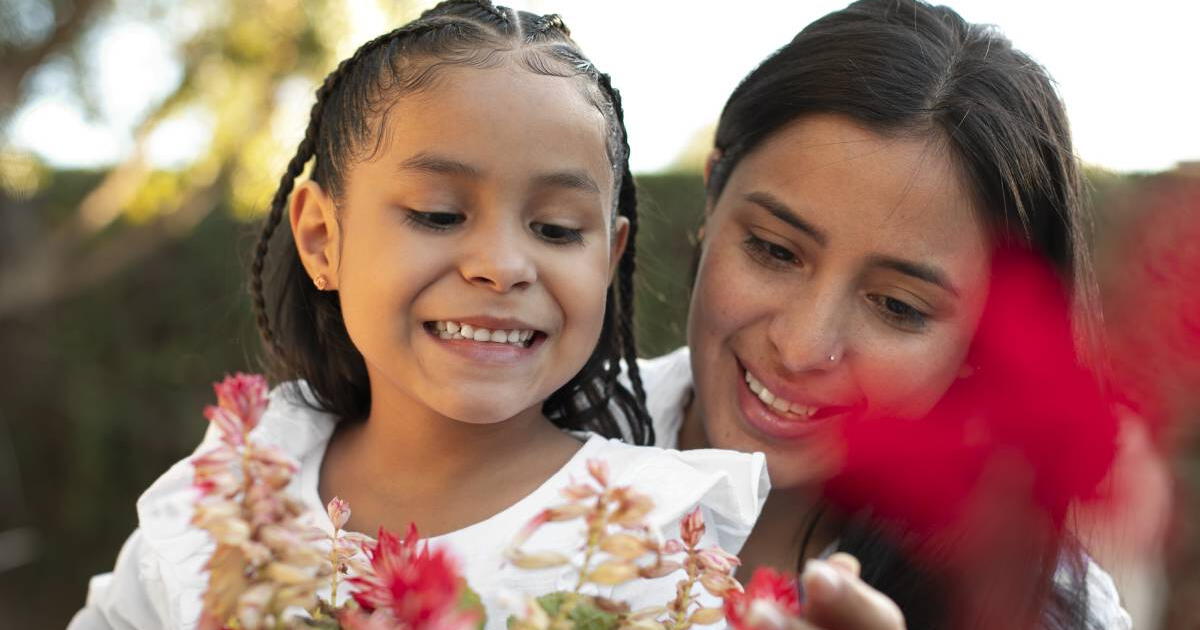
(409, 449)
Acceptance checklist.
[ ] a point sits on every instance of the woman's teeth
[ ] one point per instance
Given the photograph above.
(455, 330)
(775, 402)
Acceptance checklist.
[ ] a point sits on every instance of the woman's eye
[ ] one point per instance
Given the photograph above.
(771, 254)
(435, 220)
(900, 313)
(557, 233)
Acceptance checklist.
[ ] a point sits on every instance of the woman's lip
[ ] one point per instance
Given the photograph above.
(790, 393)
(776, 425)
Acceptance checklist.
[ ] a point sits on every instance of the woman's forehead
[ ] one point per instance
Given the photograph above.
(900, 195)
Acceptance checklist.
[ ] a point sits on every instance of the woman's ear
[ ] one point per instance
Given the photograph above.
(313, 218)
(714, 156)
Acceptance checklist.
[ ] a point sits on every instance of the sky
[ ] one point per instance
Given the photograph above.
(1126, 71)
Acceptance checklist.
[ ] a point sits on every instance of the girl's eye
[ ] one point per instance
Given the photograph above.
(900, 313)
(557, 234)
(770, 254)
(435, 220)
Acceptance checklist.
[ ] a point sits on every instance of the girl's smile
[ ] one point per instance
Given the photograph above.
(487, 340)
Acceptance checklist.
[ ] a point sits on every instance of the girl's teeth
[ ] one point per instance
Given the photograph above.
(773, 401)
(455, 330)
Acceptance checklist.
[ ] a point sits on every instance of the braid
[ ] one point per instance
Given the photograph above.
(627, 206)
(304, 152)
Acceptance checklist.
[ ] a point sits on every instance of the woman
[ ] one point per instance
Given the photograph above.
(861, 180)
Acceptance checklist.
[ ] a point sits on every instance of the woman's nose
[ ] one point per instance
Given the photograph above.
(497, 258)
(807, 333)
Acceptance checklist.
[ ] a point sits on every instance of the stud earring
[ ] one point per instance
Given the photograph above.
(320, 282)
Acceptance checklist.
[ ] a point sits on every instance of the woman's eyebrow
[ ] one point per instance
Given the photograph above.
(781, 211)
(927, 273)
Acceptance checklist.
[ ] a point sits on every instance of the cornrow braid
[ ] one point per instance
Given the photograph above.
(627, 204)
(304, 152)
(303, 329)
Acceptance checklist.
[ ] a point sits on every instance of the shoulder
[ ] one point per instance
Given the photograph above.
(1078, 573)
(729, 487)
(668, 383)
(160, 569)
(1104, 603)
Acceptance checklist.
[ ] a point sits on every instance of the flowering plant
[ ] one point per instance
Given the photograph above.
(268, 565)
(619, 547)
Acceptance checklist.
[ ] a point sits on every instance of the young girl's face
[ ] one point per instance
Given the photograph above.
(830, 240)
(487, 210)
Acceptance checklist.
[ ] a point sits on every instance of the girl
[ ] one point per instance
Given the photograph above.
(860, 181)
(442, 304)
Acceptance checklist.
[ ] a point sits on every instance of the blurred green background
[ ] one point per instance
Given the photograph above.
(122, 288)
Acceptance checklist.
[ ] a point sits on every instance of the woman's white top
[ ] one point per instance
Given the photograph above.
(158, 579)
(668, 383)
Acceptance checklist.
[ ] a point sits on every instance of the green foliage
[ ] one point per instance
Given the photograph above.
(583, 613)
(670, 207)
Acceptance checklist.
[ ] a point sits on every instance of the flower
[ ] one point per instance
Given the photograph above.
(771, 601)
(418, 588)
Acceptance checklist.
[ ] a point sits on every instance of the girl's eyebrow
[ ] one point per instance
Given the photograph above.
(437, 165)
(434, 164)
(571, 180)
(781, 211)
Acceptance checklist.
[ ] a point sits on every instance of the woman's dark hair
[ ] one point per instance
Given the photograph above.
(302, 328)
(903, 68)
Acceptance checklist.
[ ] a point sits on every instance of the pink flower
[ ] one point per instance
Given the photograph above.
(770, 600)
(339, 512)
(241, 400)
(692, 528)
(418, 587)
(244, 395)
(598, 468)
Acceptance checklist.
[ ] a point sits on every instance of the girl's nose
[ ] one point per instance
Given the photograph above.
(498, 259)
(808, 333)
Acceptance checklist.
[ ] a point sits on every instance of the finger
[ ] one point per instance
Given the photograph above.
(837, 600)
(845, 562)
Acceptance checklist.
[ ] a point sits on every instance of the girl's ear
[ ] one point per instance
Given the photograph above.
(620, 238)
(315, 230)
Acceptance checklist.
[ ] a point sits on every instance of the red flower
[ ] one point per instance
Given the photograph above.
(418, 587)
(770, 600)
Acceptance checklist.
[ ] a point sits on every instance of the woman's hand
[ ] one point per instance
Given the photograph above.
(837, 599)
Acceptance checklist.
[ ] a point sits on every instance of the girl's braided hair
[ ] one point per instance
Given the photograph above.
(302, 328)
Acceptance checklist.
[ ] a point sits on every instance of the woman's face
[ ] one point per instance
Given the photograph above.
(842, 273)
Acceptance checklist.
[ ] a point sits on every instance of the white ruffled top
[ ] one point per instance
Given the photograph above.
(158, 579)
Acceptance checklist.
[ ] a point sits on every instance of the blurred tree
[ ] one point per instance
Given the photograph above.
(240, 63)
